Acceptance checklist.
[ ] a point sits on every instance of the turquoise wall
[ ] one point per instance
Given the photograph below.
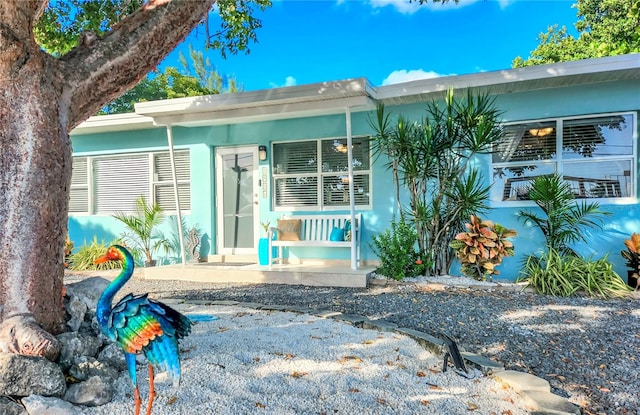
(202, 141)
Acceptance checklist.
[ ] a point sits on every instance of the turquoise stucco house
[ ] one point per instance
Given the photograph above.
(250, 157)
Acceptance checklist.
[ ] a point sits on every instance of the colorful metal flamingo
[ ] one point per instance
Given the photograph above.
(140, 325)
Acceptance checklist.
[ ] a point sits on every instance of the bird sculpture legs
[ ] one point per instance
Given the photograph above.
(152, 394)
(152, 390)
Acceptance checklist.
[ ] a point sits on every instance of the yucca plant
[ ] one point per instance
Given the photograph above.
(482, 247)
(143, 235)
(433, 159)
(82, 260)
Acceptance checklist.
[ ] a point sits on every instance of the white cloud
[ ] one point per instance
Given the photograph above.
(403, 75)
(406, 7)
(402, 6)
(288, 81)
(505, 3)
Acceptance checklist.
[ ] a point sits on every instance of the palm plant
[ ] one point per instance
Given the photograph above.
(143, 235)
(564, 219)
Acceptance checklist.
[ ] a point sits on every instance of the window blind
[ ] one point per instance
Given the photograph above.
(118, 182)
(163, 181)
(79, 192)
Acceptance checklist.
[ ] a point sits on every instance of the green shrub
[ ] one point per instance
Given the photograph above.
(563, 275)
(83, 259)
(395, 248)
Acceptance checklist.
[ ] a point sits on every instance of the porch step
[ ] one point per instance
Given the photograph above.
(311, 275)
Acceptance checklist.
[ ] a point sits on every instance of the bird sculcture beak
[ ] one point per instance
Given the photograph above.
(111, 255)
(101, 259)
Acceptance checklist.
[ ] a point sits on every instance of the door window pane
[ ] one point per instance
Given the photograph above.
(237, 188)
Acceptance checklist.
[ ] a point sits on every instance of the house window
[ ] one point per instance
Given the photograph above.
(163, 181)
(595, 155)
(313, 175)
(109, 184)
(79, 199)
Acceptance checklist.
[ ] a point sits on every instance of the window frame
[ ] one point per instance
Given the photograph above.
(560, 162)
(90, 185)
(319, 174)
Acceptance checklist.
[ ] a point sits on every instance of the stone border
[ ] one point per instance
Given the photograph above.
(536, 389)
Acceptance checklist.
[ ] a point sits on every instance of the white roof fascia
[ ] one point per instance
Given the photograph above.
(115, 122)
(286, 97)
(268, 112)
(511, 80)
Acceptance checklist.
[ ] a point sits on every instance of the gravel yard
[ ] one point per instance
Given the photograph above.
(586, 348)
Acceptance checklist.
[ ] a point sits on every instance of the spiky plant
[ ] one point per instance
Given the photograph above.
(564, 219)
(143, 234)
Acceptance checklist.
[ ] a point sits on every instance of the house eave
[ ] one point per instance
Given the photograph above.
(289, 102)
(507, 81)
(115, 122)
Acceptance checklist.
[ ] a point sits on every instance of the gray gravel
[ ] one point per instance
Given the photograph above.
(588, 349)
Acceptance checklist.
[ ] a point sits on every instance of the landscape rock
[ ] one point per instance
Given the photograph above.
(74, 344)
(27, 375)
(41, 405)
(86, 367)
(93, 392)
(88, 290)
(76, 310)
(11, 407)
(113, 356)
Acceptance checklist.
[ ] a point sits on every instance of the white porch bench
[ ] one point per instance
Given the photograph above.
(315, 231)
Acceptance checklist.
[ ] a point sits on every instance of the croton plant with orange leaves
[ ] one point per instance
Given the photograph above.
(632, 254)
(482, 247)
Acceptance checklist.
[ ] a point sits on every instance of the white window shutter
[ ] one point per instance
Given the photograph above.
(79, 195)
(163, 181)
(119, 182)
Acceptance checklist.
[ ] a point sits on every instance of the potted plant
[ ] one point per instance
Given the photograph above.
(632, 256)
(482, 247)
(263, 244)
(142, 235)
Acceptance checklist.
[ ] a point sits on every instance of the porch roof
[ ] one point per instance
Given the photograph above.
(334, 97)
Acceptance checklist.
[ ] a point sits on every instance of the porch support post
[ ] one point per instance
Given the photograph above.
(352, 203)
(176, 194)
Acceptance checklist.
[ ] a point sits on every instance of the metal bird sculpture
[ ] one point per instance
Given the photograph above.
(140, 325)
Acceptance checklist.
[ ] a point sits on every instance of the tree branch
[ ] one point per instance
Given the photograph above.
(17, 18)
(100, 69)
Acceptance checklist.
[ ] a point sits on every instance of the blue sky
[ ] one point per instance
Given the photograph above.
(387, 41)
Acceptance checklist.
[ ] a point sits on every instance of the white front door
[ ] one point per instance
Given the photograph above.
(237, 200)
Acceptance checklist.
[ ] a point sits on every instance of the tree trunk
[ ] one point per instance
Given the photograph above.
(35, 172)
(41, 100)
